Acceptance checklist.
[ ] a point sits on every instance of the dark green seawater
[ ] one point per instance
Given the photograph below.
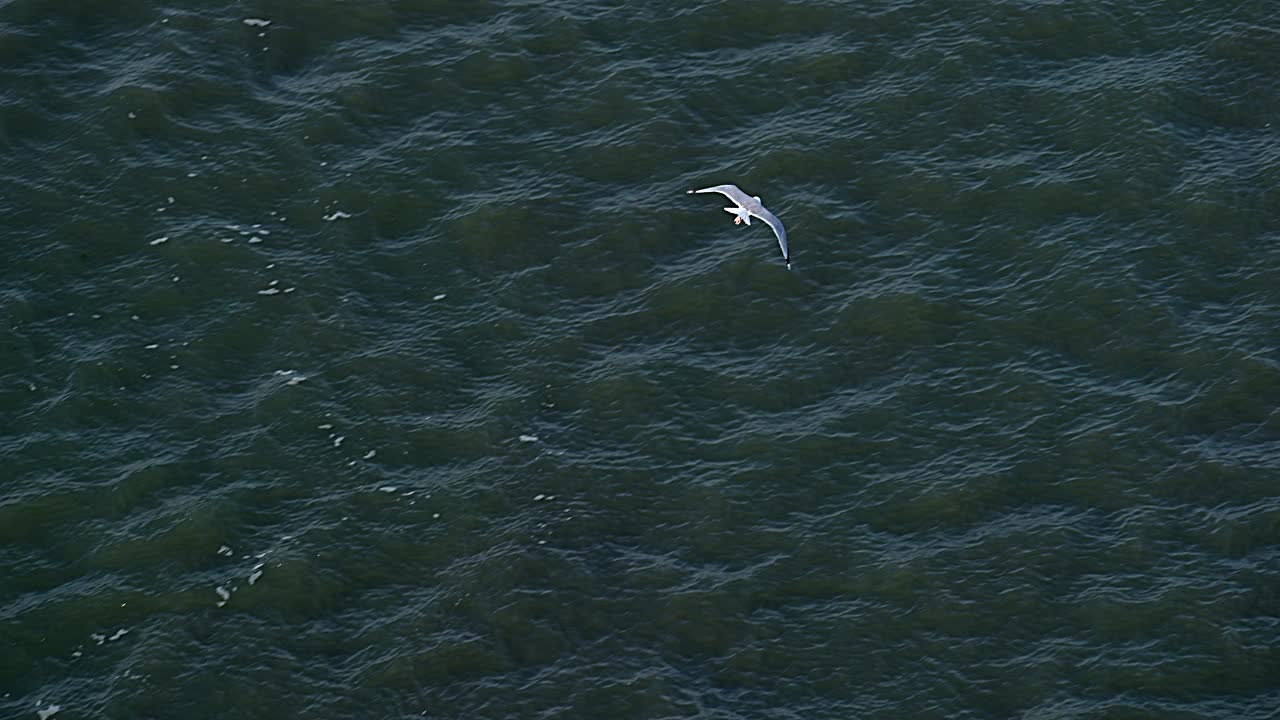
(367, 359)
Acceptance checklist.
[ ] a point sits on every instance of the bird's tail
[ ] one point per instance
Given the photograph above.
(742, 214)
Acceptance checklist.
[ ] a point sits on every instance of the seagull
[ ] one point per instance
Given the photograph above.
(748, 206)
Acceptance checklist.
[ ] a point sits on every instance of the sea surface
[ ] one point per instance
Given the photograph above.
(367, 359)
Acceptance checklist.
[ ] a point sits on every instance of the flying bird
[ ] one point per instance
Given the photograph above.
(747, 206)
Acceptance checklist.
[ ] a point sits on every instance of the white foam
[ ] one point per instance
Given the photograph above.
(369, 455)
(255, 574)
(338, 441)
(337, 215)
(269, 291)
(528, 438)
(157, 241)
(325, 426)
(441, 296)
(222, 593)
(48, 711)
(388, 488)
(119, 634)
(152, 346)
(224, 550)
(256, 22)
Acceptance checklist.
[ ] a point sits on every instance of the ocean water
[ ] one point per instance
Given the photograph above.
(368, 360)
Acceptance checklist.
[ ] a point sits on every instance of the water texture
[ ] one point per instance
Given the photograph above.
(368, 360)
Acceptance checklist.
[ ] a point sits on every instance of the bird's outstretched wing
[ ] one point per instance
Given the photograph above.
(732, 192)
(778, 230)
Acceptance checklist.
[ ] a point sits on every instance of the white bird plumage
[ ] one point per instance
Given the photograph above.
(747, 207)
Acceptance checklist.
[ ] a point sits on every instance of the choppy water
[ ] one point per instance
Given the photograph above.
(367, 360)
